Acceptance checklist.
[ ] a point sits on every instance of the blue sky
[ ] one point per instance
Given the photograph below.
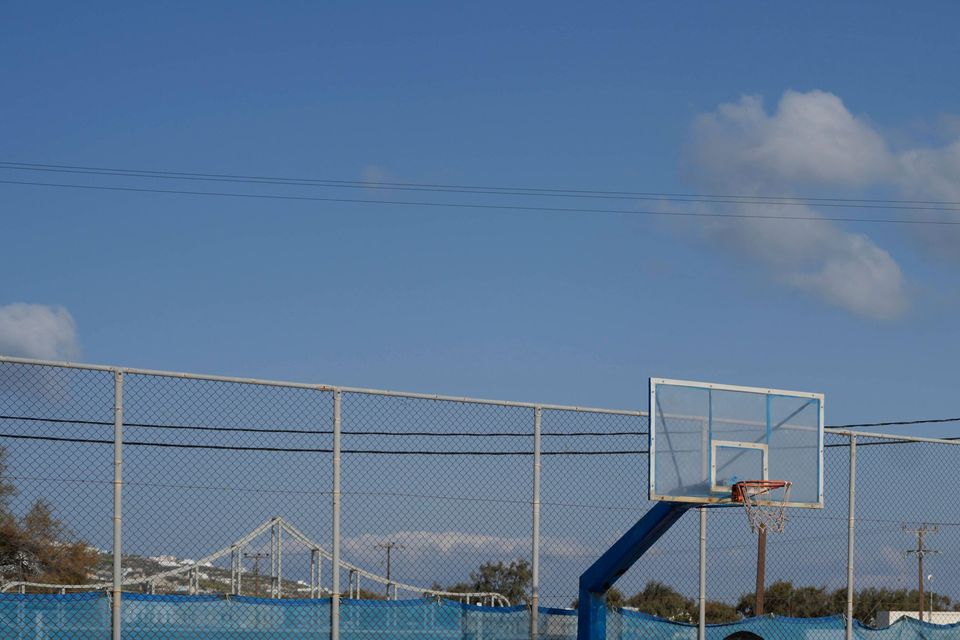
(566, 308)
(850, 100)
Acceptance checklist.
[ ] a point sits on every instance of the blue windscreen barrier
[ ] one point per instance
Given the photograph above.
(79, 616)
(909, 629)
(86, 616)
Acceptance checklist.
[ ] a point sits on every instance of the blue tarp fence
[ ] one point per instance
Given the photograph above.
(86, 616)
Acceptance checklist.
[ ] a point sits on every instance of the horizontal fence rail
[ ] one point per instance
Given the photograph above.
(150, 504)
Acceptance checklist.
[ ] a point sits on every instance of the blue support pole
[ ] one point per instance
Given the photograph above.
(602, 574)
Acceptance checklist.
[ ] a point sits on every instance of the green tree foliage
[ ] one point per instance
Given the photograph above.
(719, 612)
(784, 599)
(663, 601)
(37, 547)
(511, 580)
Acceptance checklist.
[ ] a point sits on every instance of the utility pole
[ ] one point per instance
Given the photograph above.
(761, 570)
(389, 546)
(256, 557)
(921, 551)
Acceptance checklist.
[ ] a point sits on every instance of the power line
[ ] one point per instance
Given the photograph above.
(893, 424)
(488, 207)
(419, 434)
(934, 205)
(393, 452)
(390, 452)
(348, 432)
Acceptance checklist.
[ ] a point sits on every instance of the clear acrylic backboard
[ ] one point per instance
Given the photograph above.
(706, 437)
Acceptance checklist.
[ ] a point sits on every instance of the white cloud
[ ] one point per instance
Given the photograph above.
(933, 174)
(859, 276)
(811, 139)
(931, 171)
(38, 331)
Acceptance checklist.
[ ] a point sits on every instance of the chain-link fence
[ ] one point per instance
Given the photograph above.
(159, 505)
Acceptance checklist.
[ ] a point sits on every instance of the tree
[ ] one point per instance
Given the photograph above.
(658, 599)
(783, 599)
(510, 580)
(7, 490)
(37, 547)
(663, 601)
(717, 612)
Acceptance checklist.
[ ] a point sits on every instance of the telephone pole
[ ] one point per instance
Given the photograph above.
(256, 557)
(761, 571)
(921, 551)
(389, 546)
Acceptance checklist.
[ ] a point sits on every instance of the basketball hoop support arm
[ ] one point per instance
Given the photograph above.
(602, 574)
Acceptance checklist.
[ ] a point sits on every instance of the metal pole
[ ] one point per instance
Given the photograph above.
(702, 603)
(117, 499)
(389, 549)
(273, 560)
(279, 560)
(920, 577)
(535, 547)
(761, 570)
(851, 526)
(335, 517)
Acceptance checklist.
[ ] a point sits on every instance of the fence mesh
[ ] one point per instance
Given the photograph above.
(228, 519)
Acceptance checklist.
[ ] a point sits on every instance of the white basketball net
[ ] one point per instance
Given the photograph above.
(765, 503)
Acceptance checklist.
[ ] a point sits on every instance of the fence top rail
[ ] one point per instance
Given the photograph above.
(891, 436)
(319, 387)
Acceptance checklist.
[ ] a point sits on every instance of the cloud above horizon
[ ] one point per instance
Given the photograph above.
(38, 331)
(812, 141)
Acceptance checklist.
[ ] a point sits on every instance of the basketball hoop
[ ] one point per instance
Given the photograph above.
(765, 502)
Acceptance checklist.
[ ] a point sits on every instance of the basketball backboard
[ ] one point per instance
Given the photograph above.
(706, 437)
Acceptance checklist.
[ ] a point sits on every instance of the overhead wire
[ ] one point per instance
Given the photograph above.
(262, 449)
(491, 207)
(350, 432)
(896, 423)
(790, 200)
(432, 434)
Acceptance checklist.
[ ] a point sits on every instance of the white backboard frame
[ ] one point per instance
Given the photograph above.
(724, 499)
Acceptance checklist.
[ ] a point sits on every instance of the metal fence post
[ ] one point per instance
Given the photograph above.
(851, 525)
(535, 546)
(117, 500)
(702, 601)
(335, 517)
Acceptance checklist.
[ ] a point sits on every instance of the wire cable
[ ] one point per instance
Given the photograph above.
(789, 200)
(390, 452)
(490, 207)
(897, 423)
(347, 432)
